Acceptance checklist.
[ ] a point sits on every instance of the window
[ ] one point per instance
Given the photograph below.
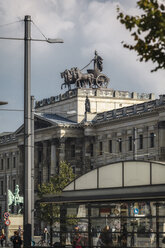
(39, 156)
(139, 228)
(8, 163)
(152, 140)
(14, 162)
(130, 143)
(110, 146)
(72, 151)
(39, 177)
(141, 141)
(101, 148)
(1, 189)
(120, 144)
(91, 149)
(2, 164)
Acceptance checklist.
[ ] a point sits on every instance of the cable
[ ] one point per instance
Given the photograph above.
(19, 110)
(39, 30)
(40, 112)
(10, 23)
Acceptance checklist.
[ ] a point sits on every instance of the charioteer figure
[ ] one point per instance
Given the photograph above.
(98, 62)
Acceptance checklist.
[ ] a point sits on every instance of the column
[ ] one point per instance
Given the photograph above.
(45, 162)
(53, 169)
(135, 140)
(61, 149)
(161, 140)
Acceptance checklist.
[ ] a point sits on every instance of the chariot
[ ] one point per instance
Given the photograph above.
(100, 80)
(94, 78)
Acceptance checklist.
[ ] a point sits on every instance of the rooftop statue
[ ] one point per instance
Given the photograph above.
(87, 105)
(92, 79)
(98, 62)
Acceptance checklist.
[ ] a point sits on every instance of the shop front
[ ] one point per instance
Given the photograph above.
(117, 205)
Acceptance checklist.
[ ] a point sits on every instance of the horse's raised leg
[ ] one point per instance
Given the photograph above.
(90, 83)
(77, 83)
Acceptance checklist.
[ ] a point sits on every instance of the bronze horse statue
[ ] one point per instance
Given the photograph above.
(75, 76)
(84, 79)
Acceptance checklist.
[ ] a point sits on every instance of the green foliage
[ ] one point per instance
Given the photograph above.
(148, 31)
(50, 212)
(59, 181)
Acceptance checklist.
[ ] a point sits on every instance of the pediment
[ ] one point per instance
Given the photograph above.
(38, 124)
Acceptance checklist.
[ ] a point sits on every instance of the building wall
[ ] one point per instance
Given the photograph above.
(87, 145)
(100, 100)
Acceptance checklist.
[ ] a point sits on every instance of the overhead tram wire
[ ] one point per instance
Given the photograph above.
(18, 110)
(10, 23)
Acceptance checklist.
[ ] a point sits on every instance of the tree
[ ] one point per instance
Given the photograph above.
(148, 31)
(50, 213)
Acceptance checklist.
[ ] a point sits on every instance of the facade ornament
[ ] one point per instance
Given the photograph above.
(92, 79)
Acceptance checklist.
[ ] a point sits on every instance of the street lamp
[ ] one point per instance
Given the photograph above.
(3, 103)
(28, 136)
(28, 131)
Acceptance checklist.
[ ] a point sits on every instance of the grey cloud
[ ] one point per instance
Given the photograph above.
(85, 25)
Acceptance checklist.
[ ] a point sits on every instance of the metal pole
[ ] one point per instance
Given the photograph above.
(7, 209)
(27, 132)
(32, 161)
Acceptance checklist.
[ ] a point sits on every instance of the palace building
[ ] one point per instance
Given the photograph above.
(115, 143)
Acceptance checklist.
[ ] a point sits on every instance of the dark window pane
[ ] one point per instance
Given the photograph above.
(110, 146)
(130, 143)
(72, 151)
(152, 140)
(141, 141)
(101, 148)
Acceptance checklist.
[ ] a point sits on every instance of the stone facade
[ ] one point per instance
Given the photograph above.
(107, 134)
(100, 100)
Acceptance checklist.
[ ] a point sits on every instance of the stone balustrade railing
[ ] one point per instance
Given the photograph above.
(93, 92)
(130, 110)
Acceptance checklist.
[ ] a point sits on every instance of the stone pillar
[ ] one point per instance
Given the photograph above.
(84, 155)
(161, 140)
(53, 169)
(135, 143)
(44, 162)
(61, 149)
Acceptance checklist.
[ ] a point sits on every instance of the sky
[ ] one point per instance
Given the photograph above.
(85, 26)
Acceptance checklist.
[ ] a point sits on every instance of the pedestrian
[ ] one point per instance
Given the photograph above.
(106, 237)
(17, 242)
(152, 237)
(77, 242)
(2, 238)
(19, 231)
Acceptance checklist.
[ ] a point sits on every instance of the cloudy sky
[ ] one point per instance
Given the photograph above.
(85, 26)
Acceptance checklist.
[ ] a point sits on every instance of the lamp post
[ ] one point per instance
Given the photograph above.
(28, 136)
